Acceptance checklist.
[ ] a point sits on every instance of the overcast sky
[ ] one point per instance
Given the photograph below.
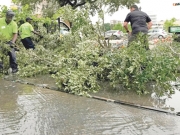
(163, 8)
(5, 2)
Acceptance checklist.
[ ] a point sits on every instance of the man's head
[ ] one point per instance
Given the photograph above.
(28, 19)
(9, 16)
(133, 7)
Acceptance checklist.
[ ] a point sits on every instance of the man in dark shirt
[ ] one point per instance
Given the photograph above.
(140, 23)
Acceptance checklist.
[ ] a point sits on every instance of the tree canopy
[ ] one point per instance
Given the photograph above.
(113, 5)
(169, 23)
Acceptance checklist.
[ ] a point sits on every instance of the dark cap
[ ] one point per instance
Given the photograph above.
(10, 13)
(28, 18)
(134, 6)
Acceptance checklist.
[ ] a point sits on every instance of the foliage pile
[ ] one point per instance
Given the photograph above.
(80, 60)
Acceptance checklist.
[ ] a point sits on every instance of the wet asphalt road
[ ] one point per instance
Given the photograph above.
(30, 110)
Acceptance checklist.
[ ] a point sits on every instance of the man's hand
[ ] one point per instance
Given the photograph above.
(149, 25)
(10, 43)
(13, 45)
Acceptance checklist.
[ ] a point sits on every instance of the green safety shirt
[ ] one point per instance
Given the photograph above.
(8, 30)
(25, 30)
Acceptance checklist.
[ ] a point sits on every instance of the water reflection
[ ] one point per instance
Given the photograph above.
(29, 110)
(10, 111)
(173, 102)
(167, 103)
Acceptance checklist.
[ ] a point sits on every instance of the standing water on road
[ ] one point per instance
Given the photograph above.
(30, 110)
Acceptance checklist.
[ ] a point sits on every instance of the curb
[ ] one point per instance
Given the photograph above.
(101, 98)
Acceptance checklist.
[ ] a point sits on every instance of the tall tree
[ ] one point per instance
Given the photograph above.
(73, 3)
(113, 5)
(120, 27)
(169, 23)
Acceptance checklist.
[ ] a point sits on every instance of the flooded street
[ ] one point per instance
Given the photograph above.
(30, 110)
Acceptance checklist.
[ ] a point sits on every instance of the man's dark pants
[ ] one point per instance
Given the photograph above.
(144, 38)
(134, 37)
(27, 42)
(12, 60)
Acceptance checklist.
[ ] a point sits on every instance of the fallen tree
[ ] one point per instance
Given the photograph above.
(79, 63)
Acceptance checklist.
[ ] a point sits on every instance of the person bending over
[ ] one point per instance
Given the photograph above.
(140, 23)
(25, 31)
(9, 30)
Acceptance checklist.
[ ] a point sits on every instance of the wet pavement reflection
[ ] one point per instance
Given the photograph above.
(30, 110)
(167, 103)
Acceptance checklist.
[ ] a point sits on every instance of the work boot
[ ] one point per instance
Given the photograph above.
(14, 70)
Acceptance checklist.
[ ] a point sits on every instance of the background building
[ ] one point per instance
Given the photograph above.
(154, 19)
(39, 7)
(177, 22)
(115, 22)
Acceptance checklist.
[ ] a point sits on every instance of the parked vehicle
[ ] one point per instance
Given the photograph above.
(157, 33)
(64, 28)
(177, 37)
(113, 34)
(176, 31)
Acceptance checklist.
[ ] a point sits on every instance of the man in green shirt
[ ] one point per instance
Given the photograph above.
(9, 30)
(25, 31)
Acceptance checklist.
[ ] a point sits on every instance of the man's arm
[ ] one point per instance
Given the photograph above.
(15, 32)
(36, 33)
(126, 21)
(125, 25)
(14, 37)
(149, 22)
(149, 25)
(33, 31)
